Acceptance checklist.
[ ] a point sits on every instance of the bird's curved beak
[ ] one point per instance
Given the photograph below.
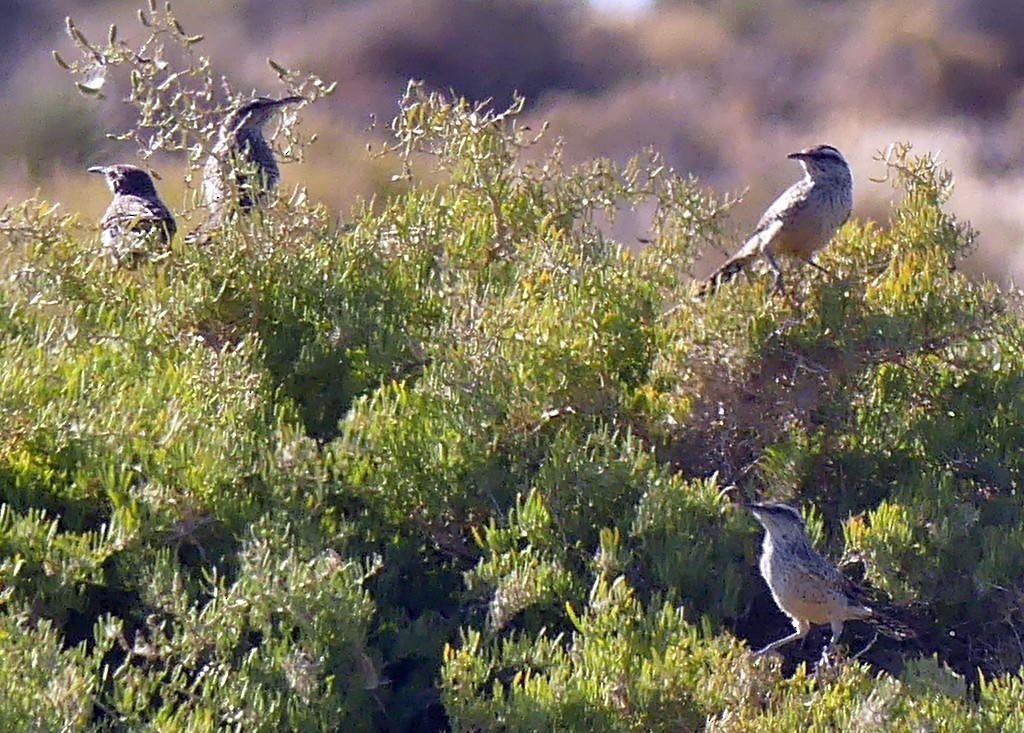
(799, 155)
(96, 169)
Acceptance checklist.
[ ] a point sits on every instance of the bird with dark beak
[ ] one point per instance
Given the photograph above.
(801, 221)
(807, 587)
(241, 171)
(136, 225)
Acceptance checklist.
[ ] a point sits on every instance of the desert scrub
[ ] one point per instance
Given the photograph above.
(465, 462)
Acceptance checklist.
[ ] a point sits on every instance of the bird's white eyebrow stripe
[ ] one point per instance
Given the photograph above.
(827, 151)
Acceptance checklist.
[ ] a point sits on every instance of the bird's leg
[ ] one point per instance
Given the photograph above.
(837, 631)
(816, 266)
(802, 627)
(774, 268)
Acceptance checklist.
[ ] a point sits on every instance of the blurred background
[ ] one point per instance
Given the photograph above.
(723, 89)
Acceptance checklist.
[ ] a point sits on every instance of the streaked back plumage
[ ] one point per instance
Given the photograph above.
(136, 224)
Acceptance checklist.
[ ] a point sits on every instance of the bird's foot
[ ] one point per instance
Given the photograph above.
(828, 668)
(830, 656)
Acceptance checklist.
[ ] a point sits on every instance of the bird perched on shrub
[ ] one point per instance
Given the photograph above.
(241, 171)
(136, 225)
(800, 221)
(808, 588)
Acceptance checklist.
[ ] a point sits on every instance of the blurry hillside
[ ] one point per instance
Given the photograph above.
(723, 89)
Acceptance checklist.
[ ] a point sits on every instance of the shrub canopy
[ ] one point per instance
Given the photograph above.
(465, 462)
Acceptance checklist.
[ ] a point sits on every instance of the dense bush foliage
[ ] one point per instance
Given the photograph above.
(466, 463)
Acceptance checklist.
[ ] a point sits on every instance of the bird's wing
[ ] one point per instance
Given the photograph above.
(764, 233)
(139, 214)
(782, 208)
(771, 221)
(814, 565)
(767, 229)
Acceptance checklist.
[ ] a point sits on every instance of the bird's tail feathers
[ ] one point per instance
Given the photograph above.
(889, 620)
(747, 254)
(726, 272)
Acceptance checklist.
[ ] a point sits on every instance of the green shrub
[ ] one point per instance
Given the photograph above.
(467, 463)
(46, 687)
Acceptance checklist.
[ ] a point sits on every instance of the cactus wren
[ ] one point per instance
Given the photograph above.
(805, 586)
(241, 162)
(800, 221)
(136, 224)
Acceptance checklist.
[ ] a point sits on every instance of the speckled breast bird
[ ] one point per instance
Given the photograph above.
(241, 171)
(136, 225)
(805, 586)
(801, 221)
